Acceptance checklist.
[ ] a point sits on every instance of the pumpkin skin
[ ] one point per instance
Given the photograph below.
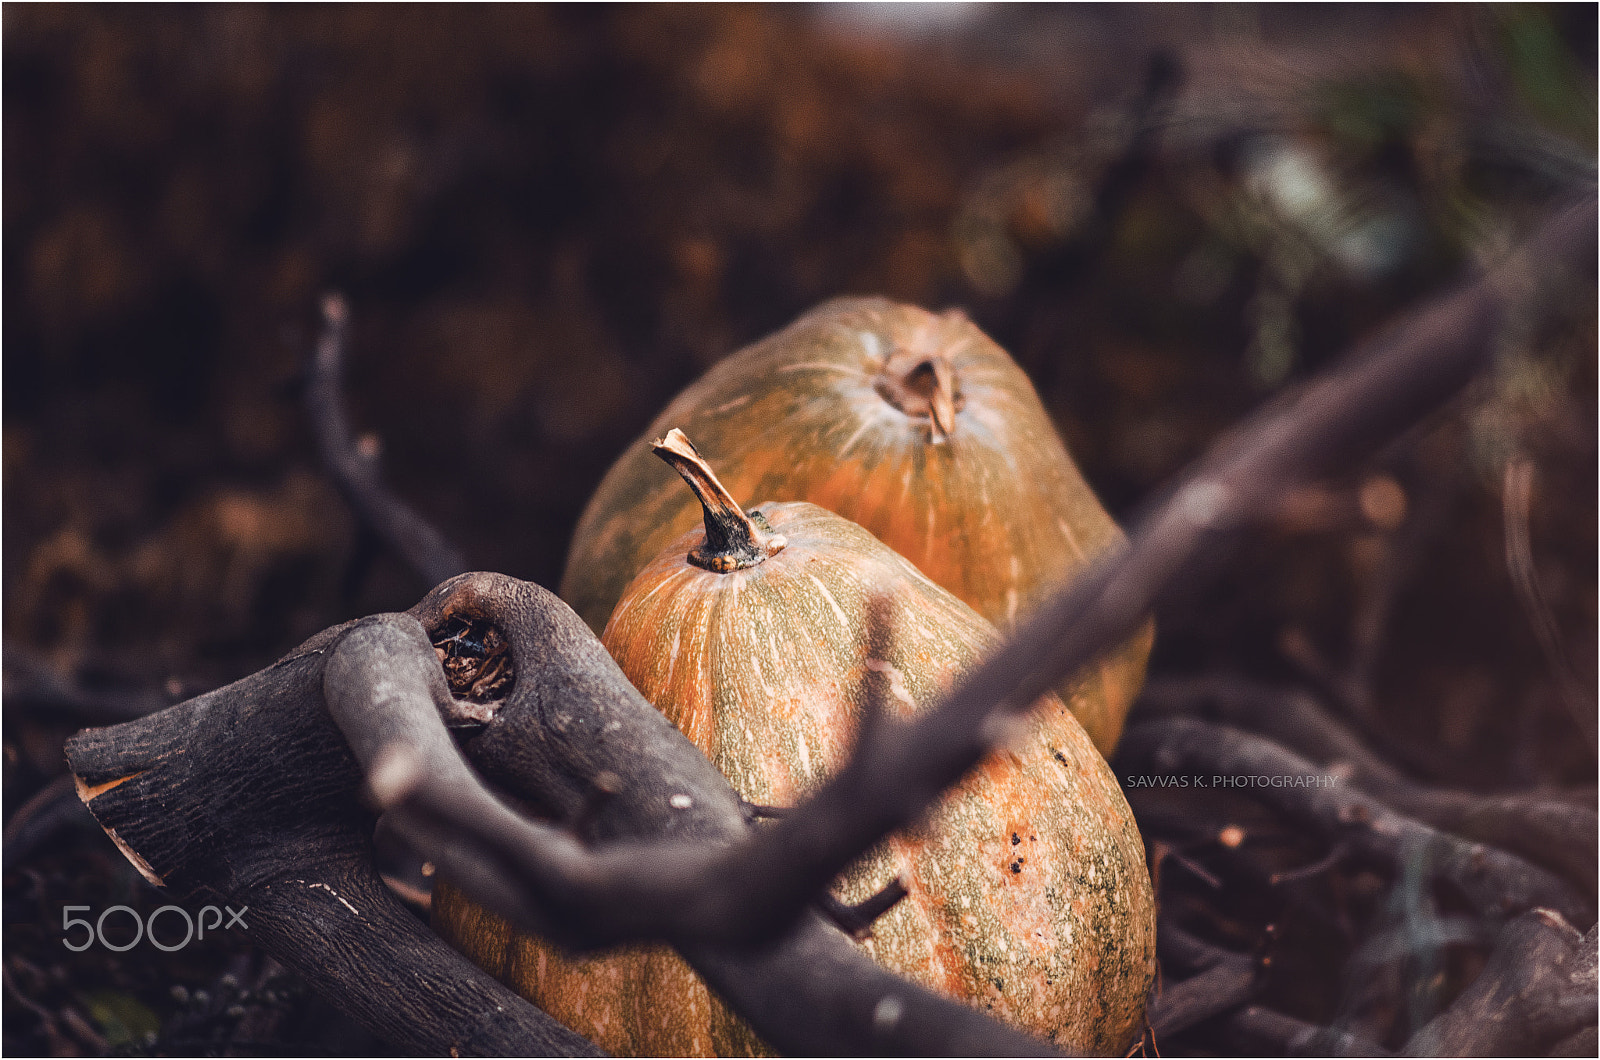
(991, 508)
(1028, 893)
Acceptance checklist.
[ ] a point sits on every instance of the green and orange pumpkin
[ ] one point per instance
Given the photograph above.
(916, 426)
(1028, 892)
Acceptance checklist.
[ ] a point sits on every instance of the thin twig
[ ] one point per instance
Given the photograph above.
(1218, 980)
(49, 810)
(355, 469)
(1225, 985)
(1516, 498)
(36, 688)
(857, 920)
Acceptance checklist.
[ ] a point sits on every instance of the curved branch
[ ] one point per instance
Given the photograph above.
(1262, 1031)
(355, 471)
(36, 689)
(1517, 495)
(246, 796)
(1229, 983)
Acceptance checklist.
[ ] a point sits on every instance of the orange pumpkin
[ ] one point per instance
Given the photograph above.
(1028, 894)
(914, 425)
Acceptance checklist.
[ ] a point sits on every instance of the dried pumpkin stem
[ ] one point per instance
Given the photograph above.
(921, 384)
(734, 540)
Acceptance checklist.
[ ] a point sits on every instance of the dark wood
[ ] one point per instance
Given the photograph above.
(1229, 983)
(1493, 881)
(1538, 989)
(1263, 1032)
(1559, 833)
(248, 796)
(36, 689)
(1198, 981)
(355, 470)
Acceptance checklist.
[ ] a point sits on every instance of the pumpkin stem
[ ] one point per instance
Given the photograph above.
(734, 540)
(921, 384)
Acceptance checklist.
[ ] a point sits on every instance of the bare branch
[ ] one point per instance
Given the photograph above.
(47, 812)
(355, 469)
(37, 689)
(1538, 988)
(1516, 498)
(1229, 983)
(246, 796)
(1546, 829)
(1493, 881)
(857, 920)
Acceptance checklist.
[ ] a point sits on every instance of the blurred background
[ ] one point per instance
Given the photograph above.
(547, 220)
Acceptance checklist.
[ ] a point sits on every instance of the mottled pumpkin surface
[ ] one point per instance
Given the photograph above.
(997, 513)
(1028, 889)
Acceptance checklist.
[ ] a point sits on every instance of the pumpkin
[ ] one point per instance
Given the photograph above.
(916, 426)
(1028, 893)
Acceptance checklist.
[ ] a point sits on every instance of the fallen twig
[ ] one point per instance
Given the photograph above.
(35, 688)
(1225, 985)
(1516, 497)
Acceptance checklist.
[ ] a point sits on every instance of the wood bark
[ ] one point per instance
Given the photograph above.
(248, 796)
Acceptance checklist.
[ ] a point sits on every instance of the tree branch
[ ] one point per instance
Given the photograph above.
(355, 469)
(1517, 495)
(1538, 988)
(1559, 834)
(1492, 880)
(247, 796)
